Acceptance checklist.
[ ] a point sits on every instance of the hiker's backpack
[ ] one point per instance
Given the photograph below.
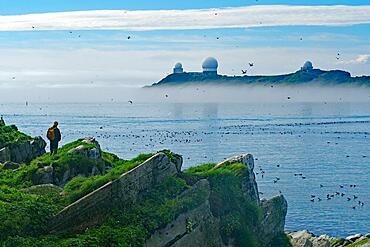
(50, 135)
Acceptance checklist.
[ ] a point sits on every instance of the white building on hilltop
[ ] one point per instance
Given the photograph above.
(210, 66)
(307, 66)
(178, 68)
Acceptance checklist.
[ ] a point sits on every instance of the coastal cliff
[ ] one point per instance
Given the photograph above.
(84, 196)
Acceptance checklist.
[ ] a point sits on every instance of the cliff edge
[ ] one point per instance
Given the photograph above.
(87, 197)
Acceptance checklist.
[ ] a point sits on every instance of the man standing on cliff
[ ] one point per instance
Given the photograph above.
(54, 137)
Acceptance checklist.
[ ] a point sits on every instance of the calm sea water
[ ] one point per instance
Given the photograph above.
(329, 144)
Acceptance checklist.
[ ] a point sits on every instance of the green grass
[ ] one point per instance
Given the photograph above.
(10, 135)
(77, 187)
(132, 227)
(21, 178)
(43, 190)
(81, 186)
(25, 214)
(64, 160)
(25, 210)
(205, 170)
(200, 170)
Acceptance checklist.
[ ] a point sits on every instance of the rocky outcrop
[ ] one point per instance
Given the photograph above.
(122, 193)
(10, 165)
(249, 184)
(197, 227)
(207, 225)
(22, 151)
(308, 239)
(89, 149)
(43, 175)
(93, 153)
(273, 210)
(273, 222)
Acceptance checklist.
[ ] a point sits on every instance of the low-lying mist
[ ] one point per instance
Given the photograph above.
(247, 93)
(191, 94)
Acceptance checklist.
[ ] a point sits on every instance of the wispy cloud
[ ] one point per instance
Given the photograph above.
(240, 17)
(363, 58)
(360, 59)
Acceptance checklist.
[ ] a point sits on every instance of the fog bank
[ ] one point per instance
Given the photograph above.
(191, 94)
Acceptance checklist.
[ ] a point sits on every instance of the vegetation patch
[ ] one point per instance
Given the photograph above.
(10, 135)
(20, 178)
(130, 228)
(66, 160)
(81, 186)
(25, 209)
(25, 214)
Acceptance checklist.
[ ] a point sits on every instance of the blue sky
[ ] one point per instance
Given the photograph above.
(53, 51)
(11, 7)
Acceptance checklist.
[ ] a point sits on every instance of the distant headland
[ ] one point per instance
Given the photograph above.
(307, 74)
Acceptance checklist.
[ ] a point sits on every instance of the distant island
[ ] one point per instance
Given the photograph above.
(306, 75)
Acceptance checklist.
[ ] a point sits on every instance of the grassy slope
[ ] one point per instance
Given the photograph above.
(22, 177)
(10, 135)
(80, 186)
(63, 161)
(25, 214)
(131, 228)
(161, 206)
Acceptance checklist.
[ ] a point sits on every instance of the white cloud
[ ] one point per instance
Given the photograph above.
(239, 17)
(360, 59)
(363, 58)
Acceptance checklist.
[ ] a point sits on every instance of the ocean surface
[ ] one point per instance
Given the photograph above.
(310, 150)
